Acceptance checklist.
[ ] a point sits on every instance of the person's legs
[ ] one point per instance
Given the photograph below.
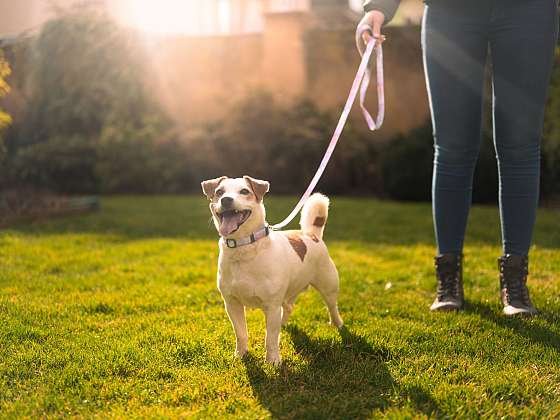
(455, 44)
(523, 38)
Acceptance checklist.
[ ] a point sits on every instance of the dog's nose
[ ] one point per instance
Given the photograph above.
(226, 201)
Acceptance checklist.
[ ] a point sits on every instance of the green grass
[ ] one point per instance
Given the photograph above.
(116, 314)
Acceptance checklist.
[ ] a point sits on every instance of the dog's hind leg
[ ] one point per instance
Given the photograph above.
(327, 285)
(287, 308)
(236, 314)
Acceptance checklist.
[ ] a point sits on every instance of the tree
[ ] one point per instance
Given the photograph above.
(86, 72)
(5, 119)
(87, 77)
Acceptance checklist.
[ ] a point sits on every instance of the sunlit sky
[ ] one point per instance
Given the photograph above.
(172, 16)
(193, 16)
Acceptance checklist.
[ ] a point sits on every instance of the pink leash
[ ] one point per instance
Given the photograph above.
(361, 83)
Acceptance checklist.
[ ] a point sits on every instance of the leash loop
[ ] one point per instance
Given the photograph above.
(360, 85)
(367, 78)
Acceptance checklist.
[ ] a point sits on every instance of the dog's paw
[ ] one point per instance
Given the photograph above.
(273, 359)
(336, 322)
(240, 353)
(337, 325)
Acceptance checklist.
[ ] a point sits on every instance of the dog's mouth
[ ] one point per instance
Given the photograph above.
(231, 220)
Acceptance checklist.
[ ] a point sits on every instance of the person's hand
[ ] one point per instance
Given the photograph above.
(375, 19)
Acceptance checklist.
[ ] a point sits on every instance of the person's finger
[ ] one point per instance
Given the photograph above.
(367, 36)
(377, 28)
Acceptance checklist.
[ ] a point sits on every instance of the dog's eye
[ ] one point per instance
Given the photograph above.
(245, 191)
(219, 193)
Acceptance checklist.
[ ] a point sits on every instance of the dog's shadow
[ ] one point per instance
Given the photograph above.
(341, 379)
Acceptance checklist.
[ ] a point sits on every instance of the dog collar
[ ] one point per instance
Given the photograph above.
(251, 239)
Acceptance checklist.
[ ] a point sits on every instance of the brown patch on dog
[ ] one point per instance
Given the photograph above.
(297, 244)
(319, 222)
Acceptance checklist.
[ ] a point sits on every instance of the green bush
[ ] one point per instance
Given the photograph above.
(406, 165)
(5, 119)
(63, 164)
(264, 139)
(140, 160)
(283, 144)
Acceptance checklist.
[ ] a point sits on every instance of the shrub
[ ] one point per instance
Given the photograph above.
(63, 164)
(5, 119)
(264, 139)
(139, 160)
(406, 165)
(283, 144)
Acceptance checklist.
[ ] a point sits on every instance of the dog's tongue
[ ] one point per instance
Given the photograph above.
(230, 222)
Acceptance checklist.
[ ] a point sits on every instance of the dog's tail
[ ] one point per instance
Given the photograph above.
(314, 215)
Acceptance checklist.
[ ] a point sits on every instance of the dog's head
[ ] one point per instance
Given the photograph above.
(236, 204)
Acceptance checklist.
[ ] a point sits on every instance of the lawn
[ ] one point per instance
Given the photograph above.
(116, 313)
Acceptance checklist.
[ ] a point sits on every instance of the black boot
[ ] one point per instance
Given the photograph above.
(513, 284)
(449, 274)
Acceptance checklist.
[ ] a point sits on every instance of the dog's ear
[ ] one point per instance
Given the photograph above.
(259, 187)
(209, 186)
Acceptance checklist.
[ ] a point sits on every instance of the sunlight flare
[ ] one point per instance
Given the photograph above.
(173, 16)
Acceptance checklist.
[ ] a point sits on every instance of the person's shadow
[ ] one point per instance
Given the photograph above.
(341, 379)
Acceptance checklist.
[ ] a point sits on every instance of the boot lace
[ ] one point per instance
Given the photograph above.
(515, 280)
(448, 281)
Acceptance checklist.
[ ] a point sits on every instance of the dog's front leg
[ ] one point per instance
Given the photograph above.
(273, 324)
(236, 313)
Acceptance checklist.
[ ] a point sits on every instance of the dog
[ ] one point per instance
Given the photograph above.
(263, 268)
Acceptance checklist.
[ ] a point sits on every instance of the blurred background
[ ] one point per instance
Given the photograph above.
(153, 96)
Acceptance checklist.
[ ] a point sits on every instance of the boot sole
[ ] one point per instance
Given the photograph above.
(521, 312)
(446, 307)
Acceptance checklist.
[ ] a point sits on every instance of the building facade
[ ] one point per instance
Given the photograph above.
(306, 49)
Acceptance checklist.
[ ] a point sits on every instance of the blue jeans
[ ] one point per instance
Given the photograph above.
(521, 36)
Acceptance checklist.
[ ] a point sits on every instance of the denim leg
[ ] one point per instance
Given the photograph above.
(523, 38)
(455, 46)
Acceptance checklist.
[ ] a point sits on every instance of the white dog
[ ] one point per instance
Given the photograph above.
(267, 269)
